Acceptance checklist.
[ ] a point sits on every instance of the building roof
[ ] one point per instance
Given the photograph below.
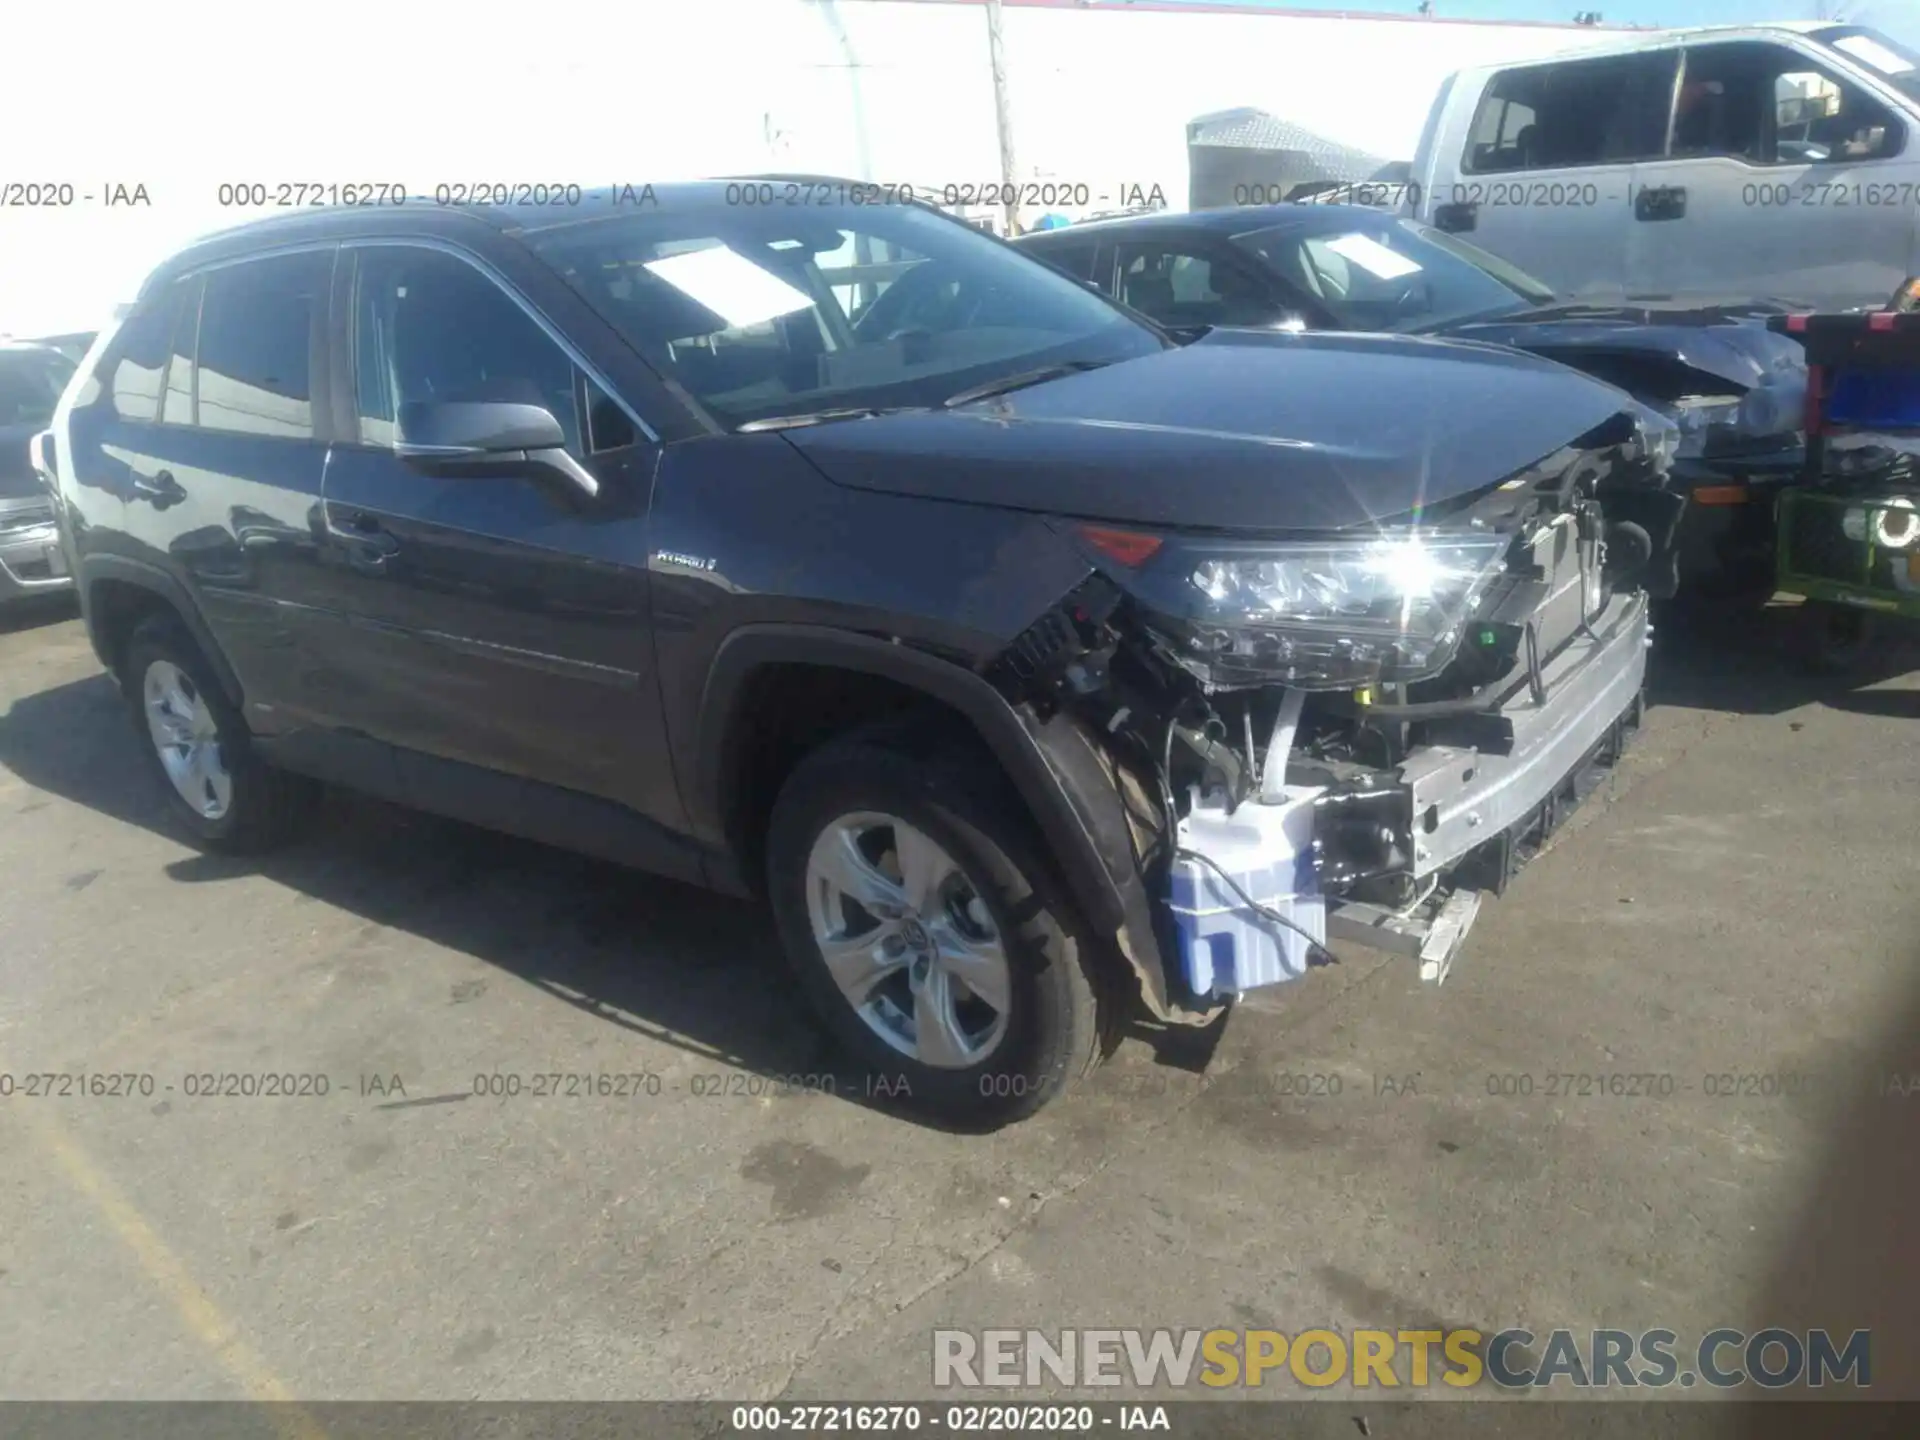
(1250, 129)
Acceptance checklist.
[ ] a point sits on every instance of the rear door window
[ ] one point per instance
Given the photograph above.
(1602, 111)
(260, 328)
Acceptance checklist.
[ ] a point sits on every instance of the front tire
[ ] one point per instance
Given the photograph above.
(1835, 639)
(217, 789)
(930, 934)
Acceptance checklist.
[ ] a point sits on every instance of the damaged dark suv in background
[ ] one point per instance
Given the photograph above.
(1038, 671)
(1735, 391)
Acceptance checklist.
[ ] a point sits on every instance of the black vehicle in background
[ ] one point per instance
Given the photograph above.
(73, 344)
(1735, 390)
(1037, 670)
(32, 561)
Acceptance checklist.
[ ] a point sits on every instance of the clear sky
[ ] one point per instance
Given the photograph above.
(1899, 18)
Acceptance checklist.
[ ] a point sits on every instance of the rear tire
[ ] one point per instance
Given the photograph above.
(217, 789)
(950, 848)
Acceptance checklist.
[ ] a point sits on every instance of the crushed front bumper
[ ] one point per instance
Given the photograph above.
(1465, 799)
(1478, 816)
(1479, 811)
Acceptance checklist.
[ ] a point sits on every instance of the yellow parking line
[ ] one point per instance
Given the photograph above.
(219, 1334)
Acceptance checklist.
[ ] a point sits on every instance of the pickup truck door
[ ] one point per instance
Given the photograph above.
(1783, 178)
(1539, 173)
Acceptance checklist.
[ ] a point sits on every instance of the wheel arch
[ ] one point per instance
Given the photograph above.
(1053, 765)
(118, 593)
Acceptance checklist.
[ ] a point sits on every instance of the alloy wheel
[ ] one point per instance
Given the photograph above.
(909, 940)
(187, 738)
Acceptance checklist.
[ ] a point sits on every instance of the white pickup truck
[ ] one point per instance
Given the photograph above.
(1778, 161)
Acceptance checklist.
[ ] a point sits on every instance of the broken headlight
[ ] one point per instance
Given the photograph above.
(1658, 437)
(1711, 424)
(1325, 614)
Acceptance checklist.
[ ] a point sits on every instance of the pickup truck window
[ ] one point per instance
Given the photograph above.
(1769, 104)
(1897, 64)
(1577, 112)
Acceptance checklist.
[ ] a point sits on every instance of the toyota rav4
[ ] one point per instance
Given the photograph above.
(1040, 672)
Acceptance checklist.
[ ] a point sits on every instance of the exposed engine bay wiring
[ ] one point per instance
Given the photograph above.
(1151, 688)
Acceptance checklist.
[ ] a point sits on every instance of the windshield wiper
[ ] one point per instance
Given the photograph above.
(818, 417)
(1020, 381)
(977, 392)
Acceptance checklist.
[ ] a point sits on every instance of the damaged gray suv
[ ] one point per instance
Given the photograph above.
(1039, 672)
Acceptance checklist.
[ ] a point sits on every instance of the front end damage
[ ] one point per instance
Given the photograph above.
(1352, 736)
(1737, 394)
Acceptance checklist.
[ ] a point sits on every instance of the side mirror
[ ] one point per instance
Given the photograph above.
(40, 457)
(485, 437)
(1801, 99)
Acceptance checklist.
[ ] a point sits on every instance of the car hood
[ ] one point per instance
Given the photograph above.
(1241, 430)
(1707, 348)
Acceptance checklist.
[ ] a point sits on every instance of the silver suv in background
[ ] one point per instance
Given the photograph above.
(31, 559)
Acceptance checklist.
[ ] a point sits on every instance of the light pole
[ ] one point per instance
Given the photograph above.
(1002, 114)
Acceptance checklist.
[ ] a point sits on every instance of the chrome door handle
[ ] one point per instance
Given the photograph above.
(1660, 202)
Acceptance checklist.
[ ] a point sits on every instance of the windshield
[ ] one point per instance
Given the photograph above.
(1394, 274)
(30, 386)
(763, 314)
(1893, 62)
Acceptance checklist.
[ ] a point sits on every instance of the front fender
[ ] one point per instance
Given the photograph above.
(1054, 764)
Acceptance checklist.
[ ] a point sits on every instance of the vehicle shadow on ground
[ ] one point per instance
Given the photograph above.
(679, 965)
(36, 611)
(1744, 659)
(688, 968)
(1850, 1259)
